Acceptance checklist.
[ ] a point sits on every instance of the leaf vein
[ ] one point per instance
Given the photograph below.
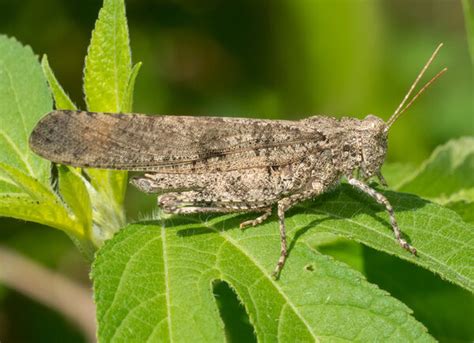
(167, 285)
(18, 152)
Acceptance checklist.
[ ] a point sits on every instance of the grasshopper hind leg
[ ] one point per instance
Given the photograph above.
(192, 202)
(157, 182)
(187, 203)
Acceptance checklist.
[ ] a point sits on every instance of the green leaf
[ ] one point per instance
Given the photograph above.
(447, 177)
(108, 78)
(107, 193)
(445, 309)
(127, 102)
(73, 190)
(61, 99)
(26, 183)
(72, 186)
(447, 174)
(24, 99)
(464, 208)
(22, 206)
(25, 191)
(108, 62)
(154, 283)
(397, 173)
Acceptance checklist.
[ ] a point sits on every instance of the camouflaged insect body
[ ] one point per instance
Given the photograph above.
(213, 164)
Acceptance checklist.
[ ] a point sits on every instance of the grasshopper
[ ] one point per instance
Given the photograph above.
(222, 165)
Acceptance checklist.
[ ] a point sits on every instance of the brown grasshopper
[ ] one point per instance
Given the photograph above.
(212, 164)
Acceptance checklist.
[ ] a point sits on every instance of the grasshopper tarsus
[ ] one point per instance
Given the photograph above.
(267, 212)
(405, 245)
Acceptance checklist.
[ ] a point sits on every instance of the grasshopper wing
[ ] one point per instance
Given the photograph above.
(172, 144)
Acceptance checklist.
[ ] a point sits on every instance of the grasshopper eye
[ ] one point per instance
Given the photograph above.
(373, 123)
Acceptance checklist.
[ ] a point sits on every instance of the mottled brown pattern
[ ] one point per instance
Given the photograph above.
(212, 164)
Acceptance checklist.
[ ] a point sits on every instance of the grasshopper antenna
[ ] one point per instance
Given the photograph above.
(400, 109)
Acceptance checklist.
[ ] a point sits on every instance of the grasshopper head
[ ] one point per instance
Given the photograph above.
(373, 138)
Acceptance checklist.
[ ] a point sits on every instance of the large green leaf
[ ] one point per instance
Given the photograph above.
(155, 280)
(443, 240)
(25, 191)
(155, 283)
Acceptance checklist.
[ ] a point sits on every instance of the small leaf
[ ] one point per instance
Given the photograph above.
(74, 192)
(61, 99)
(72, 185)
(127, 104)
(36, 197)
(154, 283)
(21, 206)
(26, 183)
(107, 193)
(108, 62)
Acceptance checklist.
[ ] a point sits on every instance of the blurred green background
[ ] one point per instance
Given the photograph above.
(266, 59)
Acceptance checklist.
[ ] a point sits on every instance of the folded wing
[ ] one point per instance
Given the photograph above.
(171, 144)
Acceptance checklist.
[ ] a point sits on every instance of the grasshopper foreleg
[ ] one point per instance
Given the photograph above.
(382, 200)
